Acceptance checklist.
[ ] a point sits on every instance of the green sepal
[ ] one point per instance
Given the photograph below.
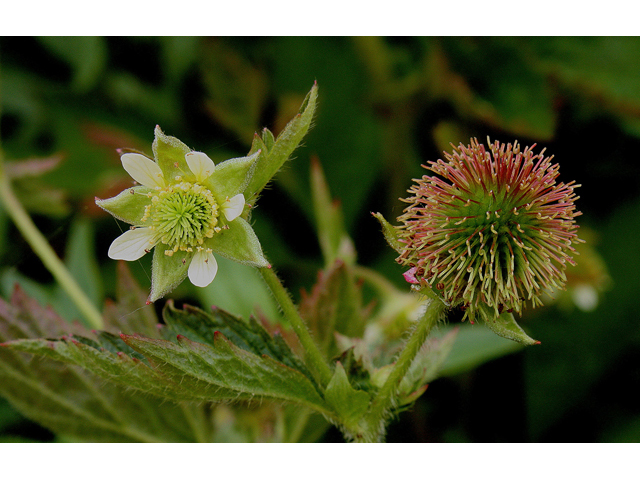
(238, 243)
(390, 233)
(258, 144)
(268, 139)
(505, 325)
(169, 151)
(231, 177)
(270, 162)
(167, 272)
(128, 205)
(349, 404)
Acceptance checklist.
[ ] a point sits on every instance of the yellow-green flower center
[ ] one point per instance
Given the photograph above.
(183, 216)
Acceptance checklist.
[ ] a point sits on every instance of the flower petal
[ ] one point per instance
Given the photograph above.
(143, 170)
(132, 244)
(232, 207)
(203, 268)
(200, 164)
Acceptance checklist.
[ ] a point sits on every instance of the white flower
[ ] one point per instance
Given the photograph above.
(186, 209)
(134, 243)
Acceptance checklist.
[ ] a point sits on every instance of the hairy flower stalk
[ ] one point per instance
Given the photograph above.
(491, 231)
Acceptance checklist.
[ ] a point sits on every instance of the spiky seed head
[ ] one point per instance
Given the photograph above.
(491, 230)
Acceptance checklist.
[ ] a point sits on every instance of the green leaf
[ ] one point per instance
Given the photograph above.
(425, 368)
(235, 89)
(334, 240)
(577, 63)
(82, 264)
(270, 162)
(178, 54)
(350, 404)
(505, 325)
(80, 259)
(224, 371)
(474, 346)
(87, 57)
(201, 326)
(71, 401)
(334, 305)
(186, 370)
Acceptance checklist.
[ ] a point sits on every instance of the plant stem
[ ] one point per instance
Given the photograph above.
(48, 257)
(376, 417)
(315, 361)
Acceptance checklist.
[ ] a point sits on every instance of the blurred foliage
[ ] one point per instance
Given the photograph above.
(386, 105)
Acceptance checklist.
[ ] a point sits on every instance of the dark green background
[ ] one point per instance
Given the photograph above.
(386, 105)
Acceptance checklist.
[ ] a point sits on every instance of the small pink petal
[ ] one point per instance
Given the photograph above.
(410, 275)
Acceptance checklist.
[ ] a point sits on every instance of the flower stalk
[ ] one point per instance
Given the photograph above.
(376, 418)
(315, 361)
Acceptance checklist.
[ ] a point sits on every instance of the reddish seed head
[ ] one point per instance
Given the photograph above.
(492, 229)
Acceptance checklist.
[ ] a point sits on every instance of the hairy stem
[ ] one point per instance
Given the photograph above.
(377, 416)
(315, 361)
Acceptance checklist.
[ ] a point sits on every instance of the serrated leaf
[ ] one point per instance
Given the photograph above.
(185, 370)
(235, 372)
(334, 305)
(71, 401)
(270, 162)
(350, 404)
(201, 326)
